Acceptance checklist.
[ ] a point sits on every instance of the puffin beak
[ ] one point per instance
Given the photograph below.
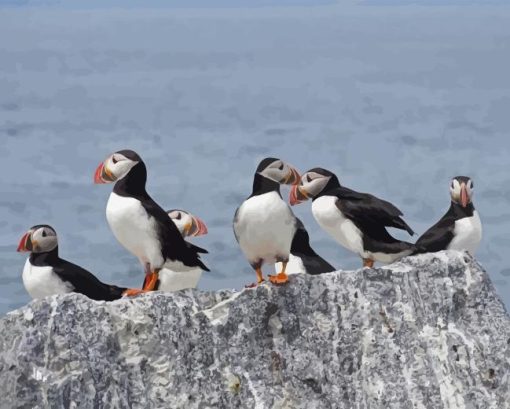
(464, 198)
(292, 177)
(103, 174)
(297, 195)
(195, 228)
(25, 244)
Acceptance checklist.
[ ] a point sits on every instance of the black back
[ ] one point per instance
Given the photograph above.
(439, 236)
(173, 246)
(313, 263)
(80, 279)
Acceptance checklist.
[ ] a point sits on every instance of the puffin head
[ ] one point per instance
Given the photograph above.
(461, 190)
(39, 239)
(311, 184)
(116, 166)
(278, 171)
(187, 224)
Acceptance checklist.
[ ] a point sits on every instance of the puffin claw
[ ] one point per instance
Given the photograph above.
(131, 292)
(279, 279)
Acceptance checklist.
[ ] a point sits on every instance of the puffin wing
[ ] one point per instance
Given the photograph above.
(86, 283)
(173, 247)
(437, 237)
(368, 210)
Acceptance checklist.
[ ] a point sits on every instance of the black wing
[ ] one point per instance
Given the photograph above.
(369, 211)
(437, 237)
(86, 283)
(174, 247)
(313, 263)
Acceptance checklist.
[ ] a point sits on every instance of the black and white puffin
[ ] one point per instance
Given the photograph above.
(140, 224)
(460, 228)
(264, 224)
(304, 259)
(356, 220)
(45, 273)
(189, 226)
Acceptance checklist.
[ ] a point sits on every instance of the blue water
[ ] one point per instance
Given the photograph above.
(395, 100)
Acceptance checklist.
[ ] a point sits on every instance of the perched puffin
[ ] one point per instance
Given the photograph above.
(45, 273)
(189, 226)
(356, 220)
(140, 224)
(264, 224)
(460, 228)
(303, 259)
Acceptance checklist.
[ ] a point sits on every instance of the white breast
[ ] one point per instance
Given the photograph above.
(42, 282)
(331, 219)
(174, 281)
(294, 266)
(265, 227)
(134, 229)
(467, 234)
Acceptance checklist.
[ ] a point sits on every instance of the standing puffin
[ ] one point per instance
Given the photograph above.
(460, 228)
(140, 224)
(356, 220)
(189, 226)
(264, 224)
(45, 273)
(303, 259)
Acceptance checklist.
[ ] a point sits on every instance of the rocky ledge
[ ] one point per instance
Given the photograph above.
(427, 332)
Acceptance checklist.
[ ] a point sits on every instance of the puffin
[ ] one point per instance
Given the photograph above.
(460, 228)
(45, 273)
(357, 221)
(264, 224)
(189, 226)
(140, 224)
(303, 258)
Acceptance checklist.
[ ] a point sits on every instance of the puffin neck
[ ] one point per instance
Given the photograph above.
(262, 185)
(332, 184)
(133, 184)
(459, 212)
(48, 258)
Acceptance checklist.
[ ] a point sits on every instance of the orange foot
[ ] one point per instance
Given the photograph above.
(131, 292)
(281, 278)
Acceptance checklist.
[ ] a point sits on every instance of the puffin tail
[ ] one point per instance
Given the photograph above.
(401, 224)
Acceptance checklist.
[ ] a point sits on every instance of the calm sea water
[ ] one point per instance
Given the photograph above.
(396, 100)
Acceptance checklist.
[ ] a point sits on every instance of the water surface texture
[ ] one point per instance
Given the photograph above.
(396, 100)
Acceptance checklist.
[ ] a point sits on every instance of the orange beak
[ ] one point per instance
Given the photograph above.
(196, 228)
(297, 195)
(103, 175)
(464, 198)
(292, 177)
(25, 244)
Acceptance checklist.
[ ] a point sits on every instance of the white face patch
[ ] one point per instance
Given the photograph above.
(119, 165)
(44, 239)
(180, 218)
(455, 189)
(276, 171)
(313, 183)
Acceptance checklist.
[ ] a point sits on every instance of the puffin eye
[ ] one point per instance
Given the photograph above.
(114, 160)
(308, 178)
(281, 166)
(471, 184)
(179, 216)
(44, 233)
(453, 184)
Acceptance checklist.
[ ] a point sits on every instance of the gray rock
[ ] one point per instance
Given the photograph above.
(428, 332)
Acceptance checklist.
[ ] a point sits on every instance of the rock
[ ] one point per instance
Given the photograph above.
(427, 332)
